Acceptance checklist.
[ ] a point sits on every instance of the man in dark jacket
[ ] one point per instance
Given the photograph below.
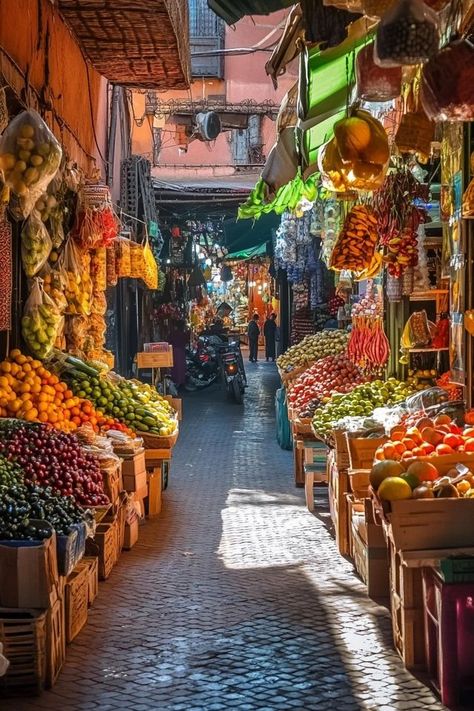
(253, 334)
(269, 331)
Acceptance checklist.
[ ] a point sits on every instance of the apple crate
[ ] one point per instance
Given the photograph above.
(338, 487)
(23, 635)
(76, 601)
(341, 449)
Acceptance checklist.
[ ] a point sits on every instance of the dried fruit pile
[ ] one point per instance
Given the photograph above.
(355, 246)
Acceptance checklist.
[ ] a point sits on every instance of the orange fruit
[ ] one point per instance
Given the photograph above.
(394, 488)
(382, 470)
(6, 367)
(423, 470)
(444, 449)
(442, 420)
(409, 443)
(15, 405)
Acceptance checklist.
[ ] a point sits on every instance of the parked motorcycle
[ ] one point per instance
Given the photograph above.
(233, 371)
(202, 365)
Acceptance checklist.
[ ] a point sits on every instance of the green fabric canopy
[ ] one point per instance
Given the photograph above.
(259, 251)
(242, 235)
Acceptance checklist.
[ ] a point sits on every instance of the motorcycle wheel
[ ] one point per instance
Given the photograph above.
(237, 391)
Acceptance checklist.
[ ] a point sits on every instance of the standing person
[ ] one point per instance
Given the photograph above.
(270, 331)
(253, 333)
(179, 338)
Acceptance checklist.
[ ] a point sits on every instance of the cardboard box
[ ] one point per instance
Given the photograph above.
(139, 497)
(131, 534)
(29, 573)
(134, 482)
(134, 465)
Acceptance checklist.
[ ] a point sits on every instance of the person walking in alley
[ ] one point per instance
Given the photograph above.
(253, 334)
(270, 332)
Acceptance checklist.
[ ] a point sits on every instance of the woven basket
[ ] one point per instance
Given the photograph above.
(152, 441)
(415, 134)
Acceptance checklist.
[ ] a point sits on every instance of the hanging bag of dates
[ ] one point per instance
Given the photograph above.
(447, 83)
(376, 83)
(407, 34)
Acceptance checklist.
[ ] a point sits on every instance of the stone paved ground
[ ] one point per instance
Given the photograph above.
(236, 597)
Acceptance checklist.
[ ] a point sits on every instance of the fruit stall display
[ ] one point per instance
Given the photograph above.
(311, 349)
(315, 385)
(361, 401)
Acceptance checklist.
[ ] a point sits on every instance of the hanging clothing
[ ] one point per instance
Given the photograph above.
(179, 341)
(270, 331)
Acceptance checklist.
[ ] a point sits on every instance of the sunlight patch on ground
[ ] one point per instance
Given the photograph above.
(246, 520)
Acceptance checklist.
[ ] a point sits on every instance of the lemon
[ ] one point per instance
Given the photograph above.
(394, 489)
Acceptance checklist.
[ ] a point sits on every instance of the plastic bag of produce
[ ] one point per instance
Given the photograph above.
(123, 266)
(54, 286)
(75, 332)
(111, 266)
(41, 321)
(137, 261)
(447, 83)
(29, 159)
(78, 286)
(35, 245)
(150, 273)
(407, 34)
(425, 399)
(99, 269)
(375, 83)
(97, 225)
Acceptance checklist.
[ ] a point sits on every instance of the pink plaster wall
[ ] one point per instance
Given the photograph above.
(245, 79)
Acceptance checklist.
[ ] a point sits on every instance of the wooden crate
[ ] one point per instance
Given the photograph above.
(298, 460)
(406, 605)
(341, 449)
(113, 483)
(104, 547)
(55, 642)
(418, 524)
(155, 490)
(368, 548)
(76, 601)
(23, 635)
(359, 482)
(362, 450)
(338, 487)
(92, 564)
(155, 359)
(121, 516)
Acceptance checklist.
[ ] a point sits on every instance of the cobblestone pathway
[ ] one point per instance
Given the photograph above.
(236, 597)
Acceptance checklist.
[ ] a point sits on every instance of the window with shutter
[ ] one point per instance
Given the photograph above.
(206, 34)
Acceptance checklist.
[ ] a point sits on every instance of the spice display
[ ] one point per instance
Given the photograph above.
(407, 34)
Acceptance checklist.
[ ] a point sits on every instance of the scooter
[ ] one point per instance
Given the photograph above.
(233, 371)
(202, 365)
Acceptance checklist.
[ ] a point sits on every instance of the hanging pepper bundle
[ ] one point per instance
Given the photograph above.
(97, 225)
(368, 346)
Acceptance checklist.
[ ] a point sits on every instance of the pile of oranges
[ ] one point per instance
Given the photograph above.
(30, 392)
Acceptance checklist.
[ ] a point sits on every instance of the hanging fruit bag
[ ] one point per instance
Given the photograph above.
(41, 321)
(97, 225)
(375, 83)
(35, 244)
(111, 265)
(30, 157)
(78, 286)
(150, 274)
(137, 261)
(447, 83)
(355, 247)
(123, 265)
(407, 34)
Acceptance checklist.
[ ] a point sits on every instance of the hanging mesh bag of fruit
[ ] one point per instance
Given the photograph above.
(375, 83)
(30, 157)
(97, 225)
(407, 34)
(447, 83)
(150, 272)
(78, 285)
(35, 244)
(41, 321)
(123, 264)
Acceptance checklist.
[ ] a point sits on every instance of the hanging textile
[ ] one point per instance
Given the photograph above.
(6, 269)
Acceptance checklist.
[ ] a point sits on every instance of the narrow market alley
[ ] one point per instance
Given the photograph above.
(235, 597)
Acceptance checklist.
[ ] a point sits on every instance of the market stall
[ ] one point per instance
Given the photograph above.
(84, 452)
(380, 200)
